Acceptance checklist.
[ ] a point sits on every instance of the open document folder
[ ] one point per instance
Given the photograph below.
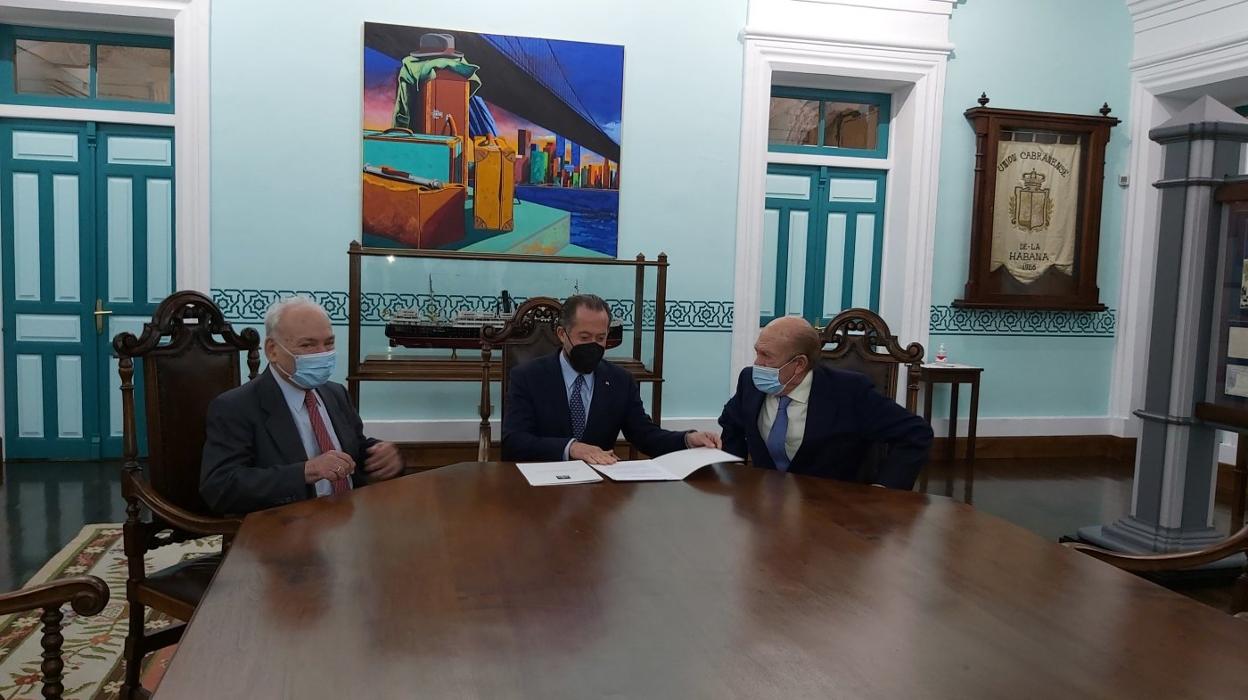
(673, 466)
(555, 473)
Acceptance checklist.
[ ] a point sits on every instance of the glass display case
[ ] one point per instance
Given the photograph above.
(418, 315)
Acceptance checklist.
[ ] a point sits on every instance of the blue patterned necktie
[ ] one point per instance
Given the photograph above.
(775, 438)
(576, 406)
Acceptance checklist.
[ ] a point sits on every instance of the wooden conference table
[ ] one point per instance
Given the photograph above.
(466, 582)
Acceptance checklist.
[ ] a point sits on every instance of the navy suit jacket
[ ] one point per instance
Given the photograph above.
(253, 456)
(844, 418)
(537, 424)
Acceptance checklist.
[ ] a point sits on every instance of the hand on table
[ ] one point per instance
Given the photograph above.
(591, 454)
(331, 465)
(703, 439)
(383, 461)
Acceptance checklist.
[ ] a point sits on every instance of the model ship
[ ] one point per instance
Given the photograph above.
(412, 328)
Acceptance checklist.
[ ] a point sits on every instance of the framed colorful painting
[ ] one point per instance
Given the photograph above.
(490, 143)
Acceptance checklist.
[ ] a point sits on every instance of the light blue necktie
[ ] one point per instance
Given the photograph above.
(576, 406)
(775, 439)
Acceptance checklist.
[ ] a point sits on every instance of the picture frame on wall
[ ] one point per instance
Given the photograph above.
(1036, 211)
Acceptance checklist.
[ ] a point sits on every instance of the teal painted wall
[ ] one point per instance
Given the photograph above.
(286, 112)
(285, 155)
(1054, 56)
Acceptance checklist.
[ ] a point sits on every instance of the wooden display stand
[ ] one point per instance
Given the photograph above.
(451, 368)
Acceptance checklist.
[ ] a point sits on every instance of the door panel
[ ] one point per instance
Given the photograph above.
(48, 248)
(135, 182)
(822, 241)
(86, 217)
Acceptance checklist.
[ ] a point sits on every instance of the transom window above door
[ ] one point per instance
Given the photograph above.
(828, 122)
(63, 68)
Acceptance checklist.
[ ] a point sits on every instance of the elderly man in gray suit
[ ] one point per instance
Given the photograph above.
(289, 434)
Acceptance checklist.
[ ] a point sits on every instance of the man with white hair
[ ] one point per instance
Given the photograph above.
(290, 434)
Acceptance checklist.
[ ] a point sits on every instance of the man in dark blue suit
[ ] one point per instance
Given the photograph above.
(574, 404)
(793, 414)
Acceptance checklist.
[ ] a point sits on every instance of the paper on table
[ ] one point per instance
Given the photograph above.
(556, 473)
(673, 466)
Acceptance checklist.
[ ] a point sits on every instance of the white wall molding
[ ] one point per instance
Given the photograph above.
(190, 119)
(934, 7)
(71, 114)
(909, 64)
(1172, 53)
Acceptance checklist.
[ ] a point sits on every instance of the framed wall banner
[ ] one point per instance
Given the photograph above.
(1036, 218)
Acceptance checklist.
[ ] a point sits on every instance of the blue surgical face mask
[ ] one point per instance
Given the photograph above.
(767, 379)
(311, 370)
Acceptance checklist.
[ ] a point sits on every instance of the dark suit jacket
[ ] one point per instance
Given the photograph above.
(537, 424)
(253, 457)
(844, 418)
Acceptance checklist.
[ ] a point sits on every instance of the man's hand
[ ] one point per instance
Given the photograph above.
(703, 439)
(383, 461)
(591, 454)
(330, 465)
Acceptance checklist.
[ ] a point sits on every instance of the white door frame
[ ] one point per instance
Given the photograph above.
(1153, 77)
(190, 120)
(910, 199)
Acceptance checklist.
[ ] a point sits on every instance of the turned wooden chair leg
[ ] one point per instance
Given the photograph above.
(133, 655)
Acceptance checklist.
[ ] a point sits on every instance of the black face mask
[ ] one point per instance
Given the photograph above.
(585, 357)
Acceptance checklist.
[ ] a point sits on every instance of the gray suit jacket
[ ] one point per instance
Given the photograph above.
(253, 457)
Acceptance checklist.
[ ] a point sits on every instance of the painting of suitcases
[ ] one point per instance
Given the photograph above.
(490, 143)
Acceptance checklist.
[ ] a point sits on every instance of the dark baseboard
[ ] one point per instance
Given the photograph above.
(1043, 447)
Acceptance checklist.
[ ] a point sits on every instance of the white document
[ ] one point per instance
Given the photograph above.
(556, 473)
(1237, 343)
(673, 466)
(1237, 381)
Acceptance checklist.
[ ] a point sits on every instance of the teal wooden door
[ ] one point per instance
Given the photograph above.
(134, 254)
(47, 216)
(823, 238)
(86, 220)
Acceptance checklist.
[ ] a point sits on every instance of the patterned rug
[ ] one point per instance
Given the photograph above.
(93, 645)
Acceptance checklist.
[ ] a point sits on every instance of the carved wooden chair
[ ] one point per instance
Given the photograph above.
(530, 334)
(86, 594)
(860, 341)
(1153, 563)
(190, 355)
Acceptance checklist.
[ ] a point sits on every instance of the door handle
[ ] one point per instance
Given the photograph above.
(100, 313)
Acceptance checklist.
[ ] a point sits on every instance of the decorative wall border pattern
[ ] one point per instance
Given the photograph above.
(249, 305)
(948, 320)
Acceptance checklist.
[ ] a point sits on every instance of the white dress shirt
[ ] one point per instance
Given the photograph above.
(294, 399)
(587, 393)
(800, 396)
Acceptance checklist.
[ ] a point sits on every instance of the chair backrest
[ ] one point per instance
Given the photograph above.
(529, 334)
(860, 341)
(190, 355)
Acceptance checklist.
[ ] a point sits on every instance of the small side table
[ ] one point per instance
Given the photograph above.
(931, 374)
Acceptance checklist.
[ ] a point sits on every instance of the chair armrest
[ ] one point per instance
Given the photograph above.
(87, 594)
(135, 486)
(1141, 563)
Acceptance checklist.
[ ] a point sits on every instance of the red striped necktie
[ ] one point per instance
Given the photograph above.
(323, 440)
